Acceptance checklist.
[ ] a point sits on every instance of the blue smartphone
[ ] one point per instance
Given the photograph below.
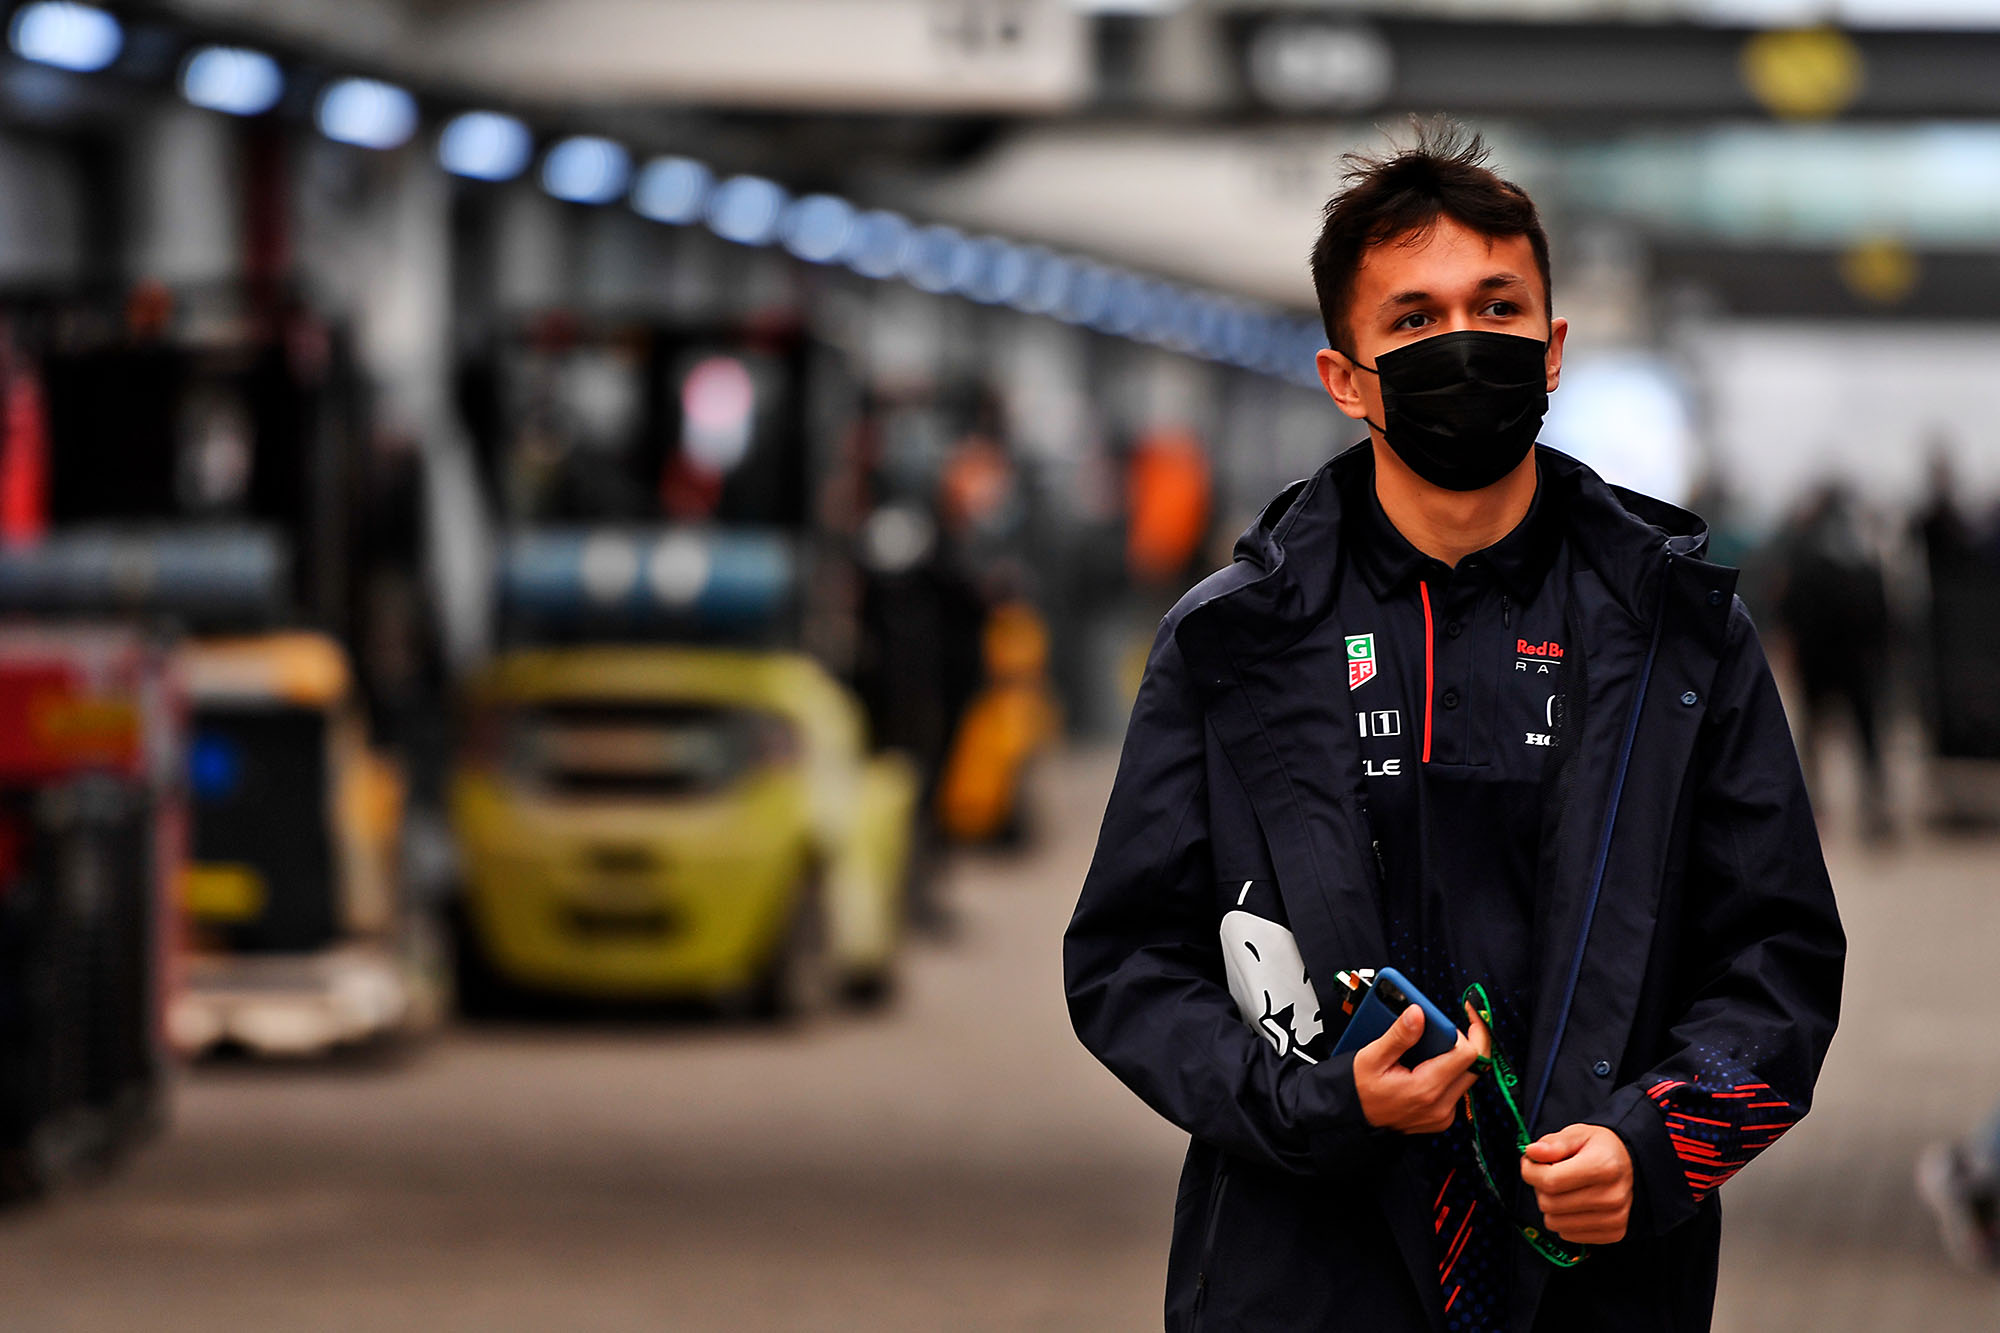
(1391, 994)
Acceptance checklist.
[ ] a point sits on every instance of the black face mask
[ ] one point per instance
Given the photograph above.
(1462, 409)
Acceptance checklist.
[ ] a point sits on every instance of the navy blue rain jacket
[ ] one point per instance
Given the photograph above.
(1688, 953)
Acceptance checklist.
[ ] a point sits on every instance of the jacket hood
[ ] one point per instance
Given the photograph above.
(1286, 563)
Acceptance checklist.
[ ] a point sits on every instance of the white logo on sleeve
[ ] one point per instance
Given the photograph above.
(1268, 981)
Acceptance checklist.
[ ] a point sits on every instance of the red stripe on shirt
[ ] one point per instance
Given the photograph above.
(1425, 589)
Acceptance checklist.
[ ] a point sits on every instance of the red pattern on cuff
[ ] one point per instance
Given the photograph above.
(1717, 1130)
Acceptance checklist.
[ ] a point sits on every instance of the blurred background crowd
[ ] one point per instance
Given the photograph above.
(571, 572)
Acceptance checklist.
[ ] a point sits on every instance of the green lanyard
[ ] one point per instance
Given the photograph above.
(1552, 1248)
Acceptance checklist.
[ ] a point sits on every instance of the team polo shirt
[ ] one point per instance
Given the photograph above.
(1453, 673)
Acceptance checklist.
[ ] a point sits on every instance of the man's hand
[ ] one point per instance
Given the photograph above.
(1582, 1178)
(1414, 1101)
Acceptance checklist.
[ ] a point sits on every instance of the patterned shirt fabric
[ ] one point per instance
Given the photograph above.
(1454, 673)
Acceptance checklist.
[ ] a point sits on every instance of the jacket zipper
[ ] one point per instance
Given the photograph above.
(1208, 1244)
(1603, 851)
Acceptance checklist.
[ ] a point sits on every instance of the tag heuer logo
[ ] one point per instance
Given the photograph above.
(1360, 659)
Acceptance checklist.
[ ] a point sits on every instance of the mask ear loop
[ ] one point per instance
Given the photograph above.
(1383, 431)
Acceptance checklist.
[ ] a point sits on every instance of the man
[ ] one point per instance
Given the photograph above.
(1459, 707)
(1833, 601)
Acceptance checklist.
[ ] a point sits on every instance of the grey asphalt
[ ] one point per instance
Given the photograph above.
(956, 1162)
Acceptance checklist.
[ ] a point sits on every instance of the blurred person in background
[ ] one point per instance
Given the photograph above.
(116, 417)
(1833, 603)
(1168, 498)
(1940, 528)
(1947, 554)
(1730, 539)
(922, 602)
(1560, 771)
(1960, 1182)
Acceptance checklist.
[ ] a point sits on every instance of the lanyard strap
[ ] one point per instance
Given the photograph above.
(1551, 1247)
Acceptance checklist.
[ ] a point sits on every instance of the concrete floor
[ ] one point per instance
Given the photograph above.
(954, 1163)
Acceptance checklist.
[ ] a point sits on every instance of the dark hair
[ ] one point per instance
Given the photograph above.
(1404, 194)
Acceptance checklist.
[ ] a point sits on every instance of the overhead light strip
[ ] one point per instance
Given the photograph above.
(748, 210)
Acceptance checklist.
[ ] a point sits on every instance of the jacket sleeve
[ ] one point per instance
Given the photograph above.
(1142, 960)
(1762, 944)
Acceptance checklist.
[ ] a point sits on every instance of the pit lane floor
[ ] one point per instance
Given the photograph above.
(955, 1162)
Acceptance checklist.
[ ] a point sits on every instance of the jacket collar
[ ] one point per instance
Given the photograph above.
(1292, 552)
(1390, 563)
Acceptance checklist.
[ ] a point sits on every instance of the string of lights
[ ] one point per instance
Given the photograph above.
(818, 228)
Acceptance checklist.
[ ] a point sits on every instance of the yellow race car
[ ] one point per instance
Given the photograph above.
(660, 822)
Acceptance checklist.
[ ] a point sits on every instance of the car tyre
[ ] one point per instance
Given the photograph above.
(799, 982)
(870, 990)
(478, 991)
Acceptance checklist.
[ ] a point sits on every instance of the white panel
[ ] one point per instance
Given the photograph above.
(187, 195)
(1239, 211)
(1045, 369)
(915, 53)
(1974, 14)
(905, 337)
(405, 298)
(1789, 404)
(1234, 209)
(1626, 414)
(530, 251)
(41, 214)
(933, 54)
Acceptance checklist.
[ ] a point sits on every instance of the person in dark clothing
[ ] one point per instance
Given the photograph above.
(1961, 621)
(1940, 529)
(1559, 770)
(1835, 605)
(115, 417)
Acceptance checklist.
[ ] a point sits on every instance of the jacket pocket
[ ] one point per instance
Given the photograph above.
(1204, 1272)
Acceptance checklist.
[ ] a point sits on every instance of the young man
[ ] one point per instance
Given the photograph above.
(1459, 707)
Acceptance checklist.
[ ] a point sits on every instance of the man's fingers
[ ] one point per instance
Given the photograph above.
(1568, 1176)
(1605, 1231)
(1587, 1217)
(1547, 1175)
(1566, 1197)
(1404, 1033)
(1476, 1033)
(1568, 1224)
(1559, 1183)
(1604, 1198)
(1445, 1069)
(1560, 1145)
